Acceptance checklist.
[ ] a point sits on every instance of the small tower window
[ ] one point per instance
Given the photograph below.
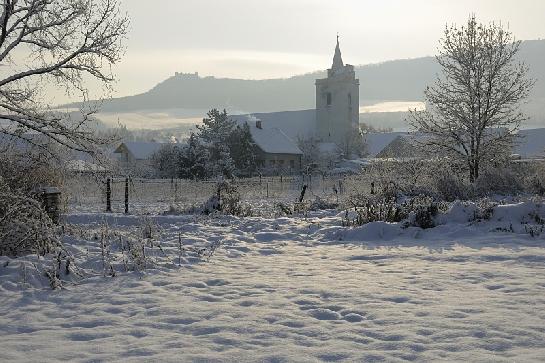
(328, 98)
(350, 99)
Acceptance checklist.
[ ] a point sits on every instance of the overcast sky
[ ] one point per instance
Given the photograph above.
(278, 38)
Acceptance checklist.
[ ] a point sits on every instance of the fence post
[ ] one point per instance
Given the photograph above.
(108, 195)
(267, 189)
(302, 193)
(126, 195)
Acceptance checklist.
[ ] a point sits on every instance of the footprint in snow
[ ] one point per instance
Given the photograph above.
(324, 314)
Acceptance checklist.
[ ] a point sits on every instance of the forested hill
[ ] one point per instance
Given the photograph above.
(398, 80)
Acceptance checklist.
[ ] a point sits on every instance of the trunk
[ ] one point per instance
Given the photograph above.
(473, 171)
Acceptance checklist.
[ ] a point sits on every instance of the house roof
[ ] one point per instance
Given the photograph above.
(26, 142)
(140, 150)
(377, 141)
(531, 144)
(403, 146)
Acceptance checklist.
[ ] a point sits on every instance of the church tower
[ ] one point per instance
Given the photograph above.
(337, 101)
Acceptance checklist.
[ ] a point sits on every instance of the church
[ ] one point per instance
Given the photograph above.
(337, 102)
(332, 125)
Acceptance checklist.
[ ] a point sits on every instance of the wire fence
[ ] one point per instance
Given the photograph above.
(156, 195)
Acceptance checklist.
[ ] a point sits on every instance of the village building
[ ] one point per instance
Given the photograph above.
(276, 153)
(330, 125)
(135, 156)
(334, 119)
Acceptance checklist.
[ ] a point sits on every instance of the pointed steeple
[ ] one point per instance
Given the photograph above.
(337, 58)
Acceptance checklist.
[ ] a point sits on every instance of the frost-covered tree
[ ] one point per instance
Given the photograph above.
(65, 43)
(311, 152)
(215, 132)
(352, 145)
(473, 109)
(194, 161)
(166, 161)
(243, 149)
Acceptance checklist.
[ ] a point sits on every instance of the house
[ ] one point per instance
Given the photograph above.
(276, 152)
(529, 145)
(135, 156)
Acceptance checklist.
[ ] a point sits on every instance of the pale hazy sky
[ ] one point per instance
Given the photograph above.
(278, 38)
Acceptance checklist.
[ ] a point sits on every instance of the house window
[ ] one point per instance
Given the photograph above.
(281, 162)
(292, 164)
(273, 163)
(328, 98)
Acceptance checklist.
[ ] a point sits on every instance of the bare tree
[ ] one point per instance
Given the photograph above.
(352, 144)
(473, 110)
(67, 43)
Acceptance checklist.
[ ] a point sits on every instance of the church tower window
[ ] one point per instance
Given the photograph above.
(328, 98)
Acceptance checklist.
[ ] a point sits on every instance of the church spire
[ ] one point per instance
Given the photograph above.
(337, 58)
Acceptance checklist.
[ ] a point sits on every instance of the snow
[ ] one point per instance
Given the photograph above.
(298, 289)
(295, 124)
(273, 141)
(377, 141)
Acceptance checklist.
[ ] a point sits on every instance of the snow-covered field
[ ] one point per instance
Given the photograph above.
(287, 289)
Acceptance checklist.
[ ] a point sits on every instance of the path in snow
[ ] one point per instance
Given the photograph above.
(275, 294)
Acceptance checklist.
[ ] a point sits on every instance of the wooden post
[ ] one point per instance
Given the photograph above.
(126, 195)
(267, 189)
(108, 195)
(179, 249)
(51, 202)
(302, 193)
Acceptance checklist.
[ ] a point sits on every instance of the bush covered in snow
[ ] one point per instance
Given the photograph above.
(25, 227)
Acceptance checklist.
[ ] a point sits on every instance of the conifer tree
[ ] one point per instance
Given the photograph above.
(194, 160)
(243, 149)
(215, 133)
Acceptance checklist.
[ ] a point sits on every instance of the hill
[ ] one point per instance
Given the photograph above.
(388, 81)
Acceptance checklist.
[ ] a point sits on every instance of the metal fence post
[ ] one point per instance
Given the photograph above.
(108, 195)
(126, 195)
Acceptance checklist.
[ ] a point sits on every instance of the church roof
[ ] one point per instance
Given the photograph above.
(295, 124)
(337, 58)
(274, 141)
(269, 138)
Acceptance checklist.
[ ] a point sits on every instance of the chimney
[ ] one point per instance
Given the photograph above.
(258, 124)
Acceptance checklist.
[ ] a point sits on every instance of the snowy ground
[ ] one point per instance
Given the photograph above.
(289, 289)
